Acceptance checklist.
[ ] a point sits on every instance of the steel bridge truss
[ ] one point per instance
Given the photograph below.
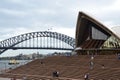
(38, 40)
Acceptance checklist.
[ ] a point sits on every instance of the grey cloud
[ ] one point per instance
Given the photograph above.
(60, 13)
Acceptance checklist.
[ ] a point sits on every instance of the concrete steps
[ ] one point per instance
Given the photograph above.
(73, 67)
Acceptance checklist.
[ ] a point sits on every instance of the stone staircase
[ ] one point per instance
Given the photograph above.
(70, 68)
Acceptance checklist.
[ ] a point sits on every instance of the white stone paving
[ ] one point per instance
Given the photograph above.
(7, 79)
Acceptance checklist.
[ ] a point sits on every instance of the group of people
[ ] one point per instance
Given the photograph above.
(13, 78)
(55, 74)
(86, 76)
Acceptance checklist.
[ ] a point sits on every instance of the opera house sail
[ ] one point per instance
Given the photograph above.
(92, 35)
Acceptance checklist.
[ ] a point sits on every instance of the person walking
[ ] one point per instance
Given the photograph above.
(91, 65)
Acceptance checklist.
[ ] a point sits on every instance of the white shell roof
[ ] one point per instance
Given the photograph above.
(116, 30)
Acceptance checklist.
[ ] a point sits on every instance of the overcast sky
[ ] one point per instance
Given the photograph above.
(23, 16)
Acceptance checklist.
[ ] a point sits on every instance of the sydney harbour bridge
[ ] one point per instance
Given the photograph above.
(38, 40)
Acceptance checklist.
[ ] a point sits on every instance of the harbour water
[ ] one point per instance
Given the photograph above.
(4, 64)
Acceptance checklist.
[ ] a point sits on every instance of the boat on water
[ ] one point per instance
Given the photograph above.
(13, 62)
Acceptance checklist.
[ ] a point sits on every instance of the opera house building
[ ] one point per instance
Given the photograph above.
(94, 37)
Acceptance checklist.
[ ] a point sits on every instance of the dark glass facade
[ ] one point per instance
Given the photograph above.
(97, 34)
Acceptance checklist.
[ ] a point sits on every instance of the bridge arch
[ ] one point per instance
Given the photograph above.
(11, 42)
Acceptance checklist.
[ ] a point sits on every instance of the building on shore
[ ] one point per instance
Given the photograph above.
(92, 37)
